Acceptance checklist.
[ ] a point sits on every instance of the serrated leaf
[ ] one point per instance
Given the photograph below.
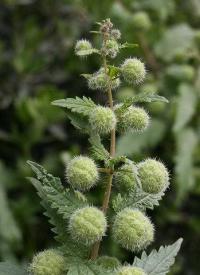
(59, 204)
(79, 121)
(137, 199)
(186, 141)
(186, 105)
(143, 97)
(78, 105)
(7, 268)
(98, 150)
(158, 262)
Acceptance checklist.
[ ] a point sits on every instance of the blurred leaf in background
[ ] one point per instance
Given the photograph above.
(37, 66)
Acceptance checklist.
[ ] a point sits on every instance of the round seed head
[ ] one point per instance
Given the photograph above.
(100, 81)
(83, 48)
(87, 225)
(133, 230)
(125, 178)
(153, 175)
(82, 173)
(133, 119)
(108, 262)
(116, 34)
(111, 48)
(133, 71)
(131, 270)
(48, 262)
(102, 120)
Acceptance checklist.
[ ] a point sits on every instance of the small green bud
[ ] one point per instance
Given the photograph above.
(131, 270)
(133, 71)
(125, 178)
(87, 225)
(82, 173)
(102, 120)
(133, 230)
(116, 34)
(108, 262)
(133, 119)
(48, 262)
(111, 48)
(181, 72)
(83, 47)
(153, 175)
(141, 21)
(100, 81)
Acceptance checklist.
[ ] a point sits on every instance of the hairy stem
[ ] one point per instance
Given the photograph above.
(106, 199)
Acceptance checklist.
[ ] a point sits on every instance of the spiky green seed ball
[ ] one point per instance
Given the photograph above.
(100, 81)
(131, 270)
(102, 120)
(82, 173)
(125, 178)
(132, 119)
(83, 48)
(141, 21)
(111, 48)
(108, 262)
(133, 71)
(153, 175)
(87, 225)
(48, 262)
(133, 230)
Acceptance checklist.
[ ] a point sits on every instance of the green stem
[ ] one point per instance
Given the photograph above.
(107, 194)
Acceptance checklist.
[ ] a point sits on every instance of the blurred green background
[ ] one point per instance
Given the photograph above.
(37, 65)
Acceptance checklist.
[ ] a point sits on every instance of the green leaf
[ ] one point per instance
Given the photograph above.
(128, 45)
(186, 143)
(78, 105)
(98, 150)
(88, 268)
(113, 71)
(87, 52)
(7, 268)
(9, 231)
(142, 97)
(159, 262)
(186, 105)
(79, 121)
(133, 143)
(136, 199)
(168, 47)
(59, 204)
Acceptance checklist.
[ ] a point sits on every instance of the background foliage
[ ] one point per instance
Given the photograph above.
(37, 65)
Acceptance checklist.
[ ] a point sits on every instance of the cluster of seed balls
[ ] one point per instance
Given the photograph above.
(103, 119)
(52, 262)
(131, 228)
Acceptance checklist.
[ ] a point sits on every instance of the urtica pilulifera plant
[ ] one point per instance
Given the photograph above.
(81, 227)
